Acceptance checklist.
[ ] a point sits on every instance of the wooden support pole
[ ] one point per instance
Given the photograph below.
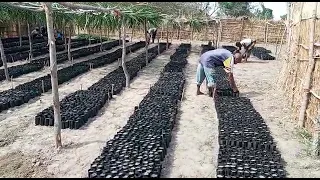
(265, 35)
(89, 33)
(206, 31)
(30, 43)
(242, 28)
(54, 76)
(20, 33)
(123, 60)
(161, 34)
(69, 45)
(101, 38)
(171, 34)
(281, 42)
(78, 27)
(4, 61)
(108, 33)
(167, 47)
(179, 31)
(65, 36)
(219, 34)
(146, 37)
(119, 31)
(277, 41)
(158, 46)
(311, 66)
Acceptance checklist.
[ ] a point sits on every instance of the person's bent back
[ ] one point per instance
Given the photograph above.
(211, 59)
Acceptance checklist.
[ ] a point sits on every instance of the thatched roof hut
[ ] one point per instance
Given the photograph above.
(301, 73)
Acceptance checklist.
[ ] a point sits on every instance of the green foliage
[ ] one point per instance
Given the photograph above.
(265, 13)
(133, 14)
(283, 17)
(234, 9)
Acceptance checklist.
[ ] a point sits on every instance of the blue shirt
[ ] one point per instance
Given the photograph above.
(217, 57)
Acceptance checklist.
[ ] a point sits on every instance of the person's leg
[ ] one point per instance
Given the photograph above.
(200, 77)
(148, 40)
(211, 80)
(153, 39)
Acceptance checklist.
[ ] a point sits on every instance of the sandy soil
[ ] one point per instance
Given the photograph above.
(31, 76)
(257, 80)
(80, 147)
(193, 150)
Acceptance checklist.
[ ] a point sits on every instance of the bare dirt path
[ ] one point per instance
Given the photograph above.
(194, 147)
(36, 143)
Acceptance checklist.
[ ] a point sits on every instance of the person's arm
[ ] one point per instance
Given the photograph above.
(229, 63)
(232, 82)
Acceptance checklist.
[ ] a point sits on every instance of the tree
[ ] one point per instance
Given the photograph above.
(264, 13)
(283, 17)
(234, 9)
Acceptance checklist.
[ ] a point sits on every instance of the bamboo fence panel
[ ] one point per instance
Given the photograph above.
(296, 67)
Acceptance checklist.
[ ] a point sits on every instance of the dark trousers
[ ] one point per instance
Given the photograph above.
(153, 36)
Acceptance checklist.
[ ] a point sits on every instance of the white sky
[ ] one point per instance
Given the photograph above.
(279, 8)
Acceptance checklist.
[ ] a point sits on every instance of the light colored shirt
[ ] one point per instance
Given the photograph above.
(217, 57)
(246, 42)
(152, 30)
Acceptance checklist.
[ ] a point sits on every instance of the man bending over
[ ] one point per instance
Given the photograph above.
(214, 58)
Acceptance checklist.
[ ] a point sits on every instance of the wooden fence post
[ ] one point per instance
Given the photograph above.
(266, 35)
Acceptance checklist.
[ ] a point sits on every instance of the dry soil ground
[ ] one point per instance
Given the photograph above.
(28, 151)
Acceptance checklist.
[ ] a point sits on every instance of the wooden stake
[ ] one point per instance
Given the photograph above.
(65, 36)
(69, 45)
(42, 85)
(279, 33)
(161, 34)
(132, 31)
(101, 39)
(89, 33)
(108, 33)
(266, 35)
(220, 34)
(20, 33)
(78, 27)
(308, 77)
(123, 61)
(4, 61)
(167, 47)
(54, 78)
(281, 42)
(30, 43)
(112, 87)
(119, 29)
(11, 82)
(242, 27)
(146, 37)
(158, 46)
